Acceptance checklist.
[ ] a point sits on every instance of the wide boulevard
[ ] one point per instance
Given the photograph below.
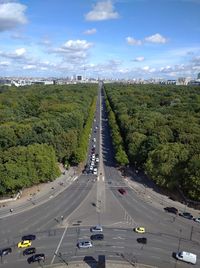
(90, 200)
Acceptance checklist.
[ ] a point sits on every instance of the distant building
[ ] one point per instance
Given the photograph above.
(198, 76)
(79, 78)
(5, 82)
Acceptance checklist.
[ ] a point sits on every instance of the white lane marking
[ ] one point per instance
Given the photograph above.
(116, 247)
(75, 178)
(122, 238)
(59, 244)
(98, 178)
(103, 178)
(118, 230)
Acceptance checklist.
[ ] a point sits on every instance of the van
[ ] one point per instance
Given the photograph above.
(186, 257)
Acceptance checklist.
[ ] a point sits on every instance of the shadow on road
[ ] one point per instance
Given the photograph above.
(91, 262)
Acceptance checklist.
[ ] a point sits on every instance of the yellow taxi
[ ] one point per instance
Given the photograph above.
(140, 230)
(24, 244)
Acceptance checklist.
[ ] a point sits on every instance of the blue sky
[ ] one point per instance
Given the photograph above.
(100, 38)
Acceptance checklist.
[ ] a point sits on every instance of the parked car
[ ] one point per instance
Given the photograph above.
(29, 251)
(37, 257)
(171, 210)
(97, 237)
(122, 191)
(97, 228)
(197, 220)
(29, 237)
(186, 215)
(5, 251)
(85, 244)
(24, 244)
(142, 240)
(140, 230)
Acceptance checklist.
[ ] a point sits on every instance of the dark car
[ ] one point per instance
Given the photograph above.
(122, 191)
(186, 215)
(36, 257)
(85, 171)
(29, 237)
(5, 251)
(142, 240)
(29, 251)
(171, 210)
(97, 237)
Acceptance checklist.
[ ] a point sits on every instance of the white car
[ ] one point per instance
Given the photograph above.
(97, 160)
(92, 163)
(91, 167)
(197, 220)
(94, 140)
(97, 228)
(85, 244)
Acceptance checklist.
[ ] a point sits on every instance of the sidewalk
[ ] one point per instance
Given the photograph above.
(38, 194)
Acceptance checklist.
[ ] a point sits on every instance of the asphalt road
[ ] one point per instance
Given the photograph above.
(92, 200)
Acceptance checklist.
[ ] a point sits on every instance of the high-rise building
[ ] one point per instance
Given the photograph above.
(198, 76)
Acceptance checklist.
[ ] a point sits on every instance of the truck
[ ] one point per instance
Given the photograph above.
(186, 257)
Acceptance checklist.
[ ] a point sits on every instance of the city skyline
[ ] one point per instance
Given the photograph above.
(114, 39)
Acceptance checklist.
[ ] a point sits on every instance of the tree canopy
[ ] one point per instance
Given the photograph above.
(160, 128)
(40, 126)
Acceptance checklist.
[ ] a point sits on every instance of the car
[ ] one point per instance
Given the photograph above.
(197, 220)
(91, 168)
(97, 237)
(94, 139)
(85, 171)
(29, 237)
(37, 257)
(171, 210)
(142, 240)
(95, 172)
(93, 146)
(24, 244)
(140, 230)
(5, 251)
(97, 228)
(186, 215)
(122, 191)
(97, 160)
(29, 251)
(92, 163)
(85, 244)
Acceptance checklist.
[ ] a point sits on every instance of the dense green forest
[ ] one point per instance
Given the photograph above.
(160, 127)
(40, 126)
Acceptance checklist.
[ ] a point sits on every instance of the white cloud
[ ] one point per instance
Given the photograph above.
(29, 67)
(19, 53)
(4, 63)
(76, 45)
(156, 38)
(11, 15)
(139, 59)
(133, 42)
(103, 10)
(146, 68)
(90, 31)
(74, 50)
(45, 41)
